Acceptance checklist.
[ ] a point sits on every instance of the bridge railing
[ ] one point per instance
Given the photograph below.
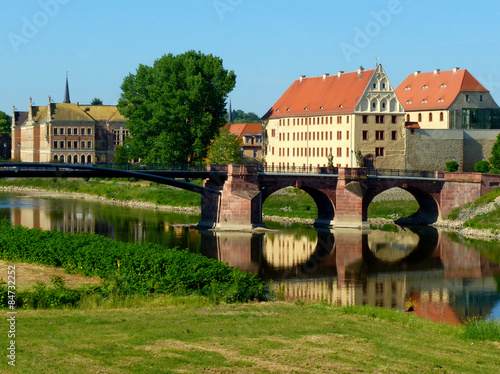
(152, 167)
(274, 169)
(405, 173)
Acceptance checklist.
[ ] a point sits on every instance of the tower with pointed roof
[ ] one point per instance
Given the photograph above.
(66, 92)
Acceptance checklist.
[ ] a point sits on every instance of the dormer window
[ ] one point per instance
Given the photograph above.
(424, 87)
(322, 107)
(288, 110)
(306, 108)
(443, 85)
(424, 101)
(341, 105)
(440, 101)
(277, 110)
(407, 88)
(408, 102)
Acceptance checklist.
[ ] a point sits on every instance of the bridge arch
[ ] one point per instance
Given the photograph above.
(324, 198)
(428, 197)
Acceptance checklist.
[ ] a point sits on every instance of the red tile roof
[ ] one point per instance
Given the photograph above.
(428, 91)
(318, 96)
(240, 129)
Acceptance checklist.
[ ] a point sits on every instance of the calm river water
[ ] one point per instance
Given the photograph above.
(445, 279)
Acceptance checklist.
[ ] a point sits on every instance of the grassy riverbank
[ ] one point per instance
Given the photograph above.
(191, 336)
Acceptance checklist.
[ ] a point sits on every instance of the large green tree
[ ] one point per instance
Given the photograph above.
(176, 107)
(5, 123)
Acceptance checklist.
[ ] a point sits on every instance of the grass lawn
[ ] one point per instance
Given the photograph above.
(190, 336)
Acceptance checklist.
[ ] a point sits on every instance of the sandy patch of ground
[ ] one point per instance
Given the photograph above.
(29, 274)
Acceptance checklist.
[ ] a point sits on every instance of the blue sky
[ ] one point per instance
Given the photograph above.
(268, 44)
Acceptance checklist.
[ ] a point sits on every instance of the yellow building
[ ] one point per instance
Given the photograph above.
(451, 99)
(326, 120)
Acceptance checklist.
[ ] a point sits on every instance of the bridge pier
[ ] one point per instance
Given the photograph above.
(351, 211)
(239, 208)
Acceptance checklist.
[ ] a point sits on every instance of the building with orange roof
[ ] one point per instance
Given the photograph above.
(325, 120)
(251, 140)
(67, 132)
(451, 99)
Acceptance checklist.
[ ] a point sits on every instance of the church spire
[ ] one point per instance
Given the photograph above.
(230, 115)
(66, 92)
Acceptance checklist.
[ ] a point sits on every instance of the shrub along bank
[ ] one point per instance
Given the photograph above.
(128, 268)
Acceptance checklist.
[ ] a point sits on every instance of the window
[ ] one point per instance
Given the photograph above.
(273, 133)
(55, 130)
(83, 145)
(365, 134)
(347, 151)
(347, 119)
(272, 151)
(89, 131)
(69, 144)
(379, 152)
(339, 135)
(467, 98)
(83, 130)
(69, 131)
(75, 144)
(75, 131)
(339, 119)
(247, 139)
(339, 152)
(441, 116)
(480, 97)
(62, 130)
(419, 117)
(365, 119)
(394, 135)
(430, 117)
(374, 85)
(254, 154)
(394, 119)
(374, 105)
(55, 144)
(379, 119)
(61, 144)
(347, 135)
(89, 144)
(379, 135)
(407, 118)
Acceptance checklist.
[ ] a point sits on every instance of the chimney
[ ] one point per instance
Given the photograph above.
(302, 78)
(340, 73)
(436, 71)
(360, 70)
(325, 75)
(455, 70)
(417, 72)
(49, 109)
(30, 110)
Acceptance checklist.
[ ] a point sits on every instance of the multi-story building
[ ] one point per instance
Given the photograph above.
(67, 132)
(251, 140)
(451, 99)
(326, 121)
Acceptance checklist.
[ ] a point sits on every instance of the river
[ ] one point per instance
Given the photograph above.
(443, 277)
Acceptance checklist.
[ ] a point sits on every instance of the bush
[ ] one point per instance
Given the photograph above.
(452, 166)
(482, 167)
(128, 268)
(495, 171)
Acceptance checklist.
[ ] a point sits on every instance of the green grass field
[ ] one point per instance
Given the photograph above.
(189, 336)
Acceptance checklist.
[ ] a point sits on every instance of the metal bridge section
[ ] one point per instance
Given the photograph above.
(158, 175)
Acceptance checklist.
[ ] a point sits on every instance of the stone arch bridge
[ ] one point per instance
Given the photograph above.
(342, 196)
(233, 195)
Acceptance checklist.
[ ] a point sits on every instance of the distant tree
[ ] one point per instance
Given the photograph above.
(225, 149)
(96, 101)
(495, 154)
(360, 160)
(5, 123)
(240, 116)
(452, 166)
(482, 167)
(176, 107)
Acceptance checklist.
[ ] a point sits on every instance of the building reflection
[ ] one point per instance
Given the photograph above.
(441, 279)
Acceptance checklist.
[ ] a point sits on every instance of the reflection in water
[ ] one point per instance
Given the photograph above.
(442, 279)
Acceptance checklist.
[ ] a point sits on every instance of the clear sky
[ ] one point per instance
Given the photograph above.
(267, 43)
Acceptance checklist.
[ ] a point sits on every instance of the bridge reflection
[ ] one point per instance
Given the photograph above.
(443, 280)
